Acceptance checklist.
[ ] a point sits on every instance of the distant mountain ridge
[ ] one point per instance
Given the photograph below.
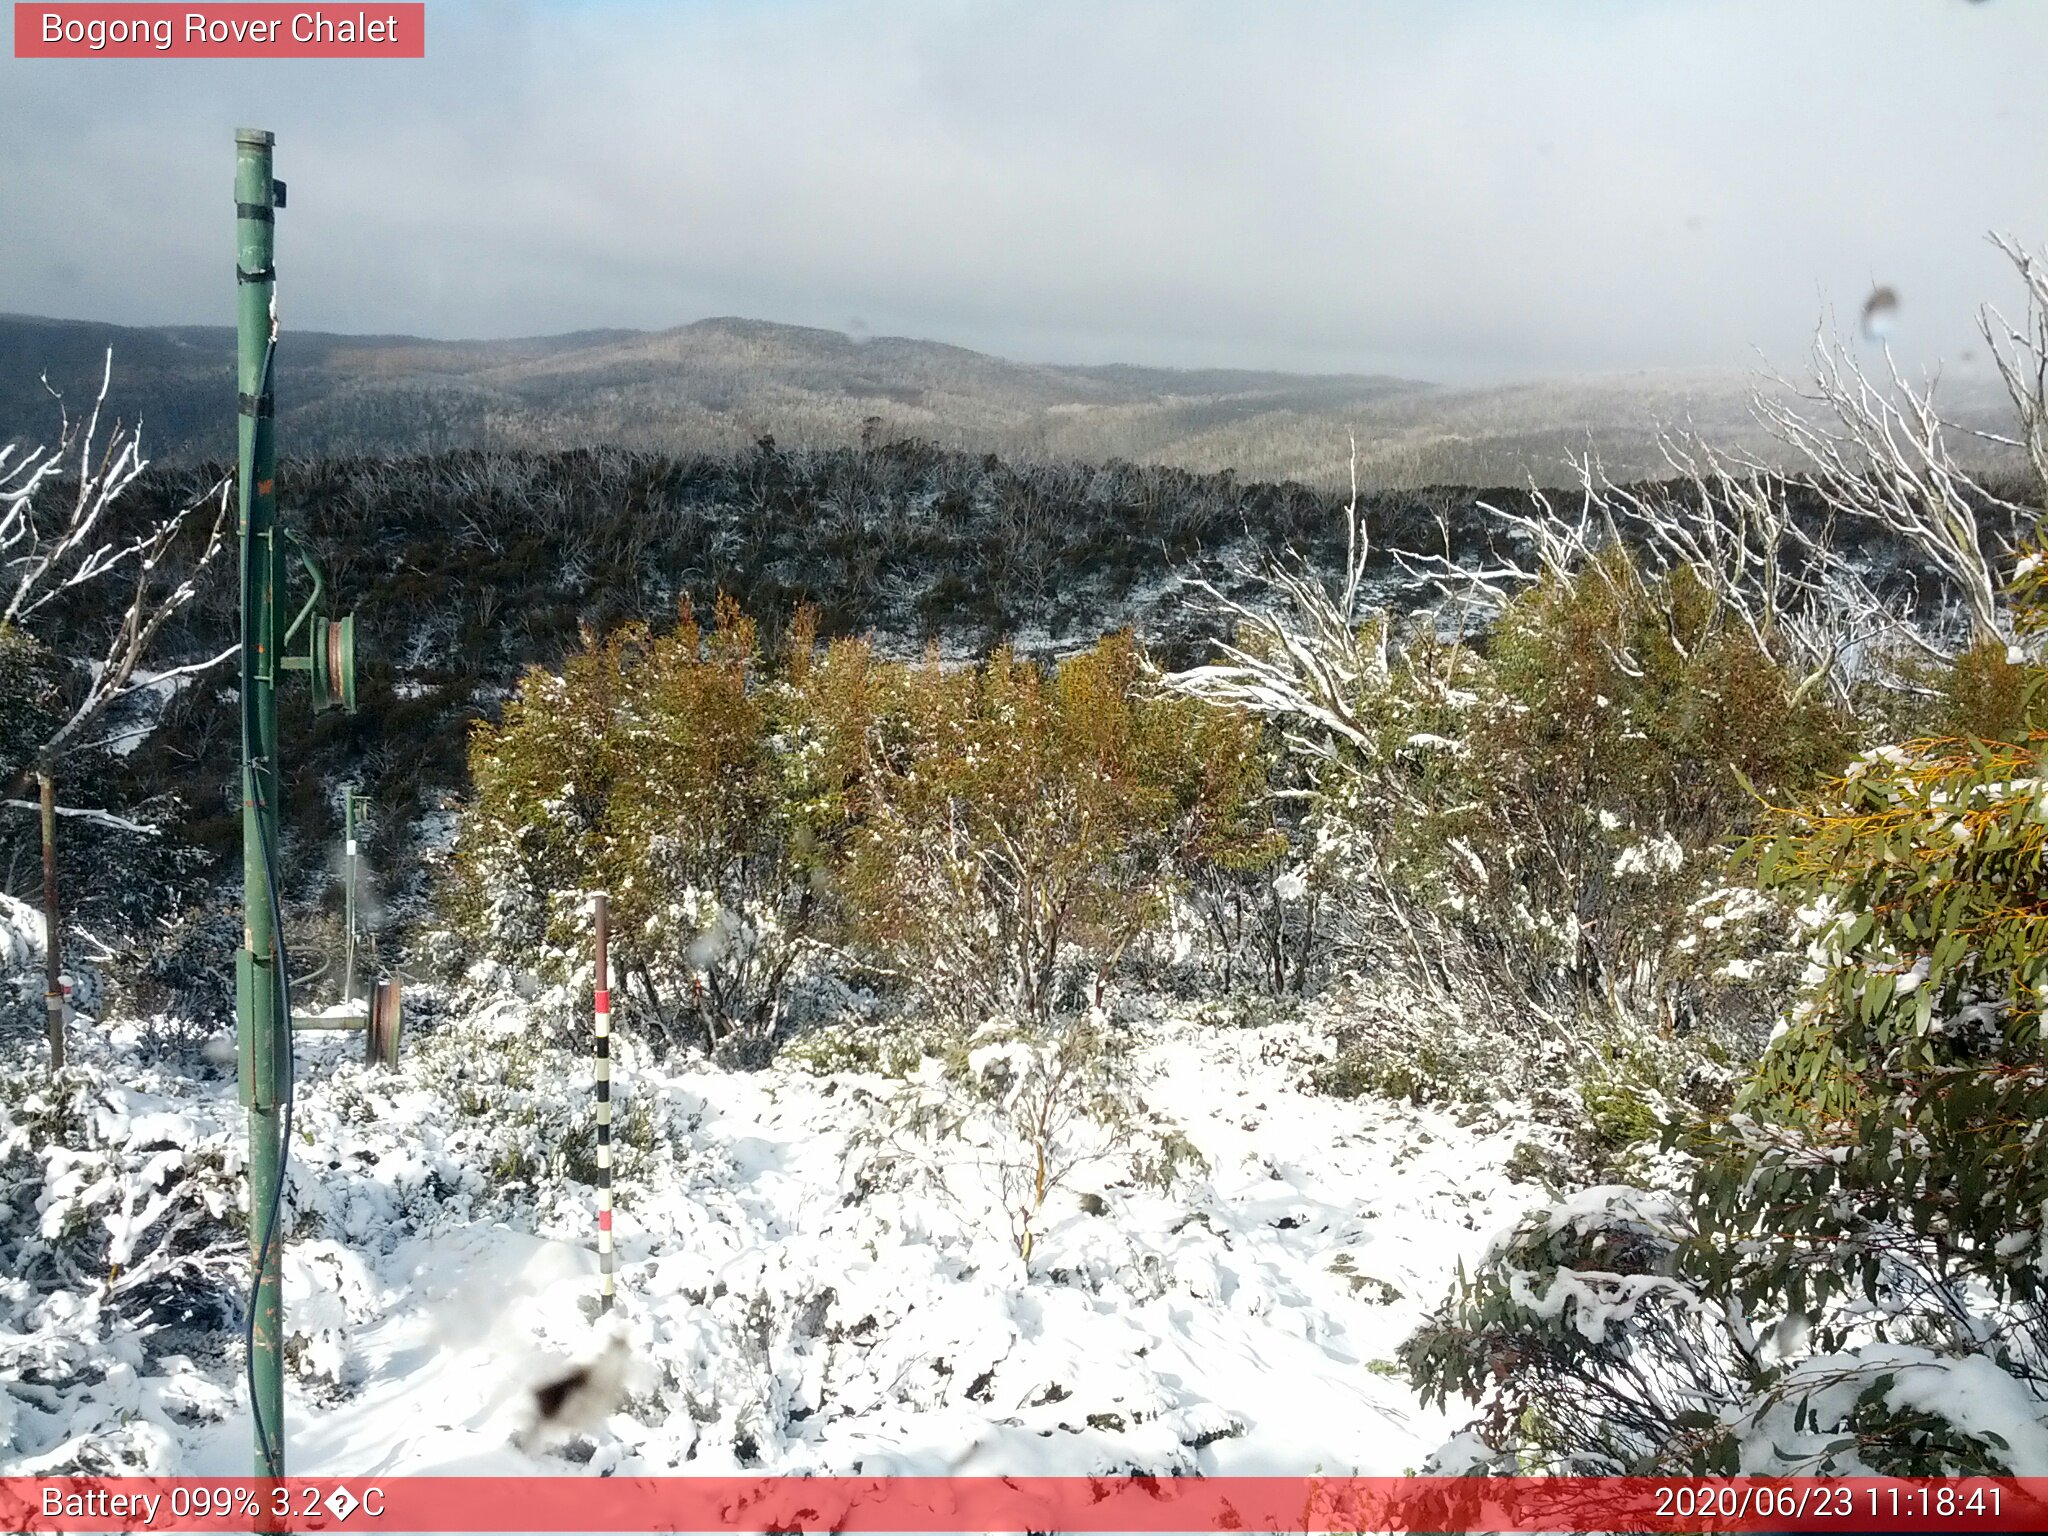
(720, 384)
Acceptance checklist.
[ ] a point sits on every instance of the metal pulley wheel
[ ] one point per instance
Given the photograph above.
(333, 647)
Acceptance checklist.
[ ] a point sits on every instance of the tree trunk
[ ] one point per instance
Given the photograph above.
(703, 1014)
(53, 959)
(661, 1021)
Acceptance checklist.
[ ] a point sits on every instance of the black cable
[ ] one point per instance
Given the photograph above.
(273, 1442)
(269, 1437)
(273, 1445)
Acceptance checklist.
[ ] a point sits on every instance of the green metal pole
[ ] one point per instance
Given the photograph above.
(264, 1058)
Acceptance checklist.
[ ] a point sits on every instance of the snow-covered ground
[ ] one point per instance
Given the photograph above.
(779, 1313)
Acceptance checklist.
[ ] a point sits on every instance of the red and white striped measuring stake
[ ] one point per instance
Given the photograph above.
(602, 1009)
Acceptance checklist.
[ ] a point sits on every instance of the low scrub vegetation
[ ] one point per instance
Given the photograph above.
(1838, 1268)
(1665, 824)
(997, 836)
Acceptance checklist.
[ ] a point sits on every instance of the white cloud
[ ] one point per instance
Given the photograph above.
(1452, 188)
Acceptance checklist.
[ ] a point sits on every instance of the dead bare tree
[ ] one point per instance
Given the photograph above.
(1724, 520)
(1312, 654)
(47, 553)
(2021, 353)
(1876, 450)
(1871, 448)
(1302, 657)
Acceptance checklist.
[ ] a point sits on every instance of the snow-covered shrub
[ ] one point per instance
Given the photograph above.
(1584, 1348)
(1396, 1042)
(891, 1051)
(120, 1241)
(1852, 1278)
(1596, 1339)
(1625, 722)
(501, 1082)
(22, 977)
(1855, 1278)
(1251, 921)
(1009, 1118)
(1900, 1123)
(646, 769)
(1601, 1091)
(327, 1290)
(132, 880)
(1019, 824)
(985, 834)
(1527, 833)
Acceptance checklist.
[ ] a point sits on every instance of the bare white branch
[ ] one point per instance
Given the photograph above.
(2021, 353)
(45, 558)
(1303, 658)
(97, 818)
(1876, 450)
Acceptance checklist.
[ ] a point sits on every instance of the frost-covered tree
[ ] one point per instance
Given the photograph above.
(1530, 820)
(1531, 773)
(1855, 1278)
(77, 548)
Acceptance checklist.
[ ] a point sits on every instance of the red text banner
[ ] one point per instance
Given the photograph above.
(1077, 1504)
(237, 31)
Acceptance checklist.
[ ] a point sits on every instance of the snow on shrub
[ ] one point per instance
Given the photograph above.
(1531, 827)
(981, 833)
(1011, 1118)
(1854, 1279)
(1018, 823)
(119, 1242)
(645, 769)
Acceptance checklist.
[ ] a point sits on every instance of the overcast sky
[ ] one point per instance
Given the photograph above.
(1450, 189)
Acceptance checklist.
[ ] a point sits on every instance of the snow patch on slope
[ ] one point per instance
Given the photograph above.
(777, 1316)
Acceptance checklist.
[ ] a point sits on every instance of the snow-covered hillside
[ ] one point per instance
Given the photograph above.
(781, 1312)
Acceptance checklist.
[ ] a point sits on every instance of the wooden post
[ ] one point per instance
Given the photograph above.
(601, 999)
(53, 944)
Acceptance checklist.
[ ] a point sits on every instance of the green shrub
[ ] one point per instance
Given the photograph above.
(983, 833)
(1621, 731)
(1037, 1105)
(823, 1052)
(644, 769)
(1541, 818)
(1915, 1061)
(1852, 1280)
(1017, 820)
(1985, 693)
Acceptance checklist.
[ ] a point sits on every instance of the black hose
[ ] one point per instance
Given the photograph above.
(273, 1444)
